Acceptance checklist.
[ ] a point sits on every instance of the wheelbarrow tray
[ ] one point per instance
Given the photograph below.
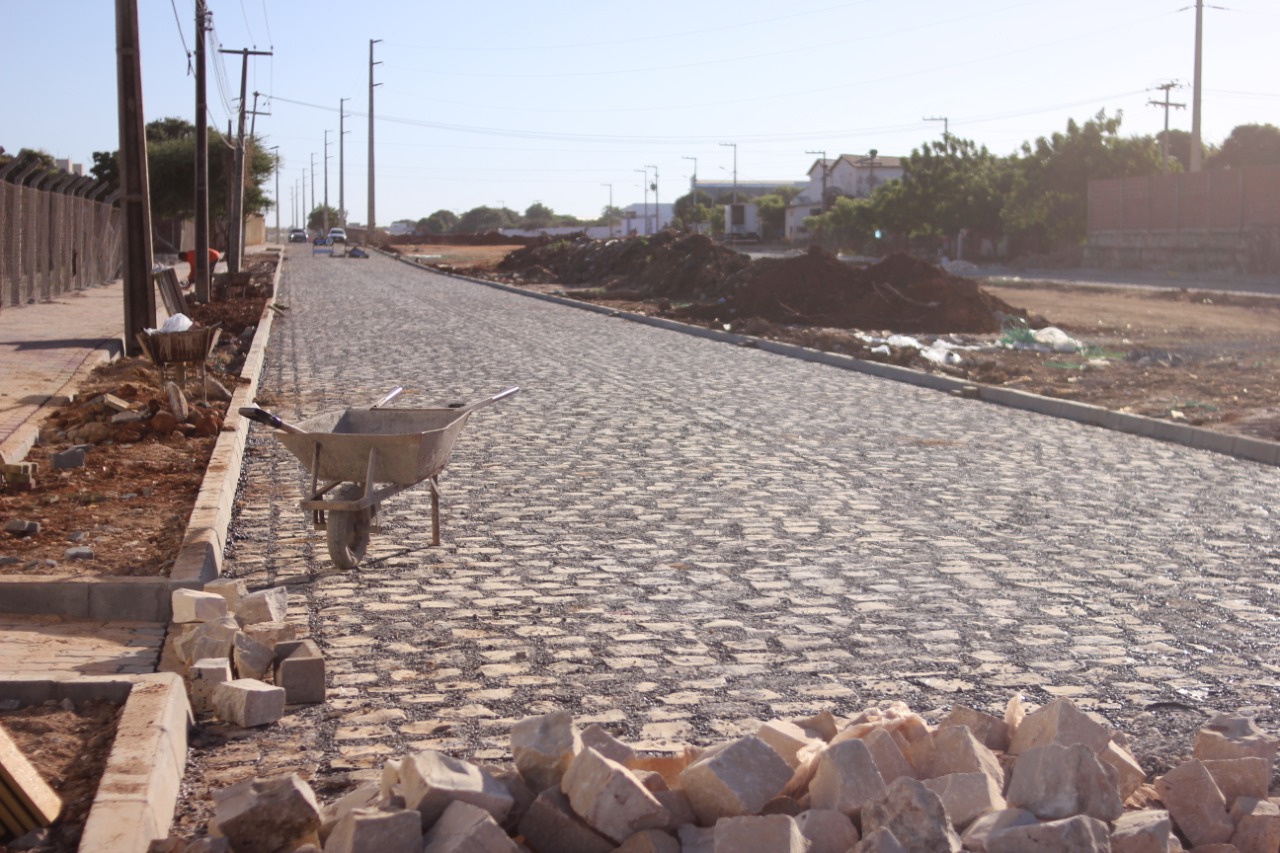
(408, 445)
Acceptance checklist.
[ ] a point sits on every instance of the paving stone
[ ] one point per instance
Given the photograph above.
(1233, 736)
(1147, 831)
(1079, 834)
(191, 605)
(300, 670)
(976, 836)
(1056, 782)
(954, 749)
(231, 589)
(845, 778)
(544, 747)
(1240, 777)
(966, 796)
(786, 738)
(204, 677)
(879, 840)
(551, 824)
(609, 797)
(914, 815)
(1062, 723)
(266, 605)
(464, 828)
(827, 830)
(251, 658)
(992, 732)
(374, 829)
(247, 702)
(432, 780)
(264, 815)
(1257, 824)
(1195, 804)
(735, 778)
(650, 841)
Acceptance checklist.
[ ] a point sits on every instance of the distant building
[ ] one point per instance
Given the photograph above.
(402, 226)
(849, 175)
(69, 167)
(642, 219)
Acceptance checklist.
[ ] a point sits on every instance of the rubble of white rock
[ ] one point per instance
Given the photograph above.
(240, 658)
(1054, 780)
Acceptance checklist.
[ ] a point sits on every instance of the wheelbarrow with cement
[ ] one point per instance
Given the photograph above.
(364, 456)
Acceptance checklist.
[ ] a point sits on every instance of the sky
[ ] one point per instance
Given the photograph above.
(576, 104)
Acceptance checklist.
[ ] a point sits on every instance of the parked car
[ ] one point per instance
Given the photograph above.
(297, 235)
(337, 235)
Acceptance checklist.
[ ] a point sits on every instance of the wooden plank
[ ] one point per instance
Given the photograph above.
(12, 816)
(32, 792)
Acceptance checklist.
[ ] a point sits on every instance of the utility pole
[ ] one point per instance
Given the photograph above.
(372, 206)
(326, 183)
(1195, 90)
(657, 209)
(236, 230)
(135, 195)
(276, 148)
(946, 126)
(200, 272)
(1164, 140)
(609, 212)
(823, 155)
(645, 187)
(293, 205)
(693, 185)
(734, 146)
(313, 187)
(342, 168)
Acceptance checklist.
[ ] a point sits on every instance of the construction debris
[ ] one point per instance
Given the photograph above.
(26, 801)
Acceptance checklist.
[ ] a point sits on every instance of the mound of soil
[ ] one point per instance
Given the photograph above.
(666, 265)
(900, 293)
(488, 238)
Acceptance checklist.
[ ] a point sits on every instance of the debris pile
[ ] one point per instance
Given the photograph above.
(1054, 779)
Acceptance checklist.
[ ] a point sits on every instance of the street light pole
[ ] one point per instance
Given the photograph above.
(609, 213)
(657, 208)
(734, 146)
(342, 197)
(276, 148)
(645, 187)
(326, 182)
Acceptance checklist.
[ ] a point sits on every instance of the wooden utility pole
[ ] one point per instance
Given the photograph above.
(372, 217)
(326, 182)
(1164, 140)
(342, 166)
(235, 230)
(135, 190)
(200, 272)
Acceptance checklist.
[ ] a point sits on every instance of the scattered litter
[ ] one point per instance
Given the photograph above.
(177, 323)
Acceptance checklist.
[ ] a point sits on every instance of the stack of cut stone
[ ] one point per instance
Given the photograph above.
(1051, 780)
(229, 643)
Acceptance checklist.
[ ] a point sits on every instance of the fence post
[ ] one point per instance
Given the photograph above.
(7, 227)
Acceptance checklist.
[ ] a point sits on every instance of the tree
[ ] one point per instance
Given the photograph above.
(440, 222)
(946, 186)
(1248, 145)
(1046, 209)
(316, 220)
(537, 215)
(773, 215)
(479, 220)
(847, 224)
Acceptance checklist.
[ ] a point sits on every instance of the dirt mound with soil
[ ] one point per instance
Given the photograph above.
(666, 265)
(900, 293)
(488, 238)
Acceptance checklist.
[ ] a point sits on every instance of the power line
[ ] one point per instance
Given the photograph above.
(181, 35)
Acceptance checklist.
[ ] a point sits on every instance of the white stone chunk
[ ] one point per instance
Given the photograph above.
(1147, 831)
(696, 839)
(1061, 723)
(954, 750)
(1056, 782)
(886, 751)
(975, 837)
(203, 678)
(550, 824)
(432, 780)
(373, 830)
(544, 747)
(786, 738)
(776, 833)
(265, 605)
(845, 778)
(365, 796)
(650, 841)
(191, 605)
(1240, 777)
(231, 589)
(1233, 736)
(1129, 773)
(264, 815)
(827, 830)
(992, 732)
(966, 796)
(247, 702)
(1079, 834)
(880, 841)
(607, 745)
(610, 798)
(1195, 804)
(271, 633)
(212, 639)
(736, 779)
(914, 815)
(1257, 825)
(251, 658)
(464, 828)
(679, 809)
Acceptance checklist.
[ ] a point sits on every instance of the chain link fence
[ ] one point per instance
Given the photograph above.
(58, 233)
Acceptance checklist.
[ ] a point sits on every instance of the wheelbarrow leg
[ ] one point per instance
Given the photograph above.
(435, 510)
(346, 531)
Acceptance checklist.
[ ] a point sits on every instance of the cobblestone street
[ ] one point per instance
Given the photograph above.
(669, 535)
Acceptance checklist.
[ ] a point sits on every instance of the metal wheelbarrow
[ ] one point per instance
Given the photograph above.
(352, 451)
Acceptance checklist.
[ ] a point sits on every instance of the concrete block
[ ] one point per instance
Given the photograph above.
(373, 829)
(1055, 782)
(300, 670)
(544, 747)
(550, 824)
(1195, 804)
(1147, 831)
(203, 678)
(737, 778)
(247, 702)
(967, 796)
(432, 780)
(264, 815)
(827, 830)
(914, 815)
(765, 834)
(1079, 834)
(267, 605)
(845, 778)
(610, 798)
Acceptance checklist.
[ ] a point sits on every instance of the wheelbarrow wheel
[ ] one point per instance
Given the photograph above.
(348, 531)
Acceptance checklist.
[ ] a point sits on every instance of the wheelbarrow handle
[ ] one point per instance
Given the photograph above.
(390, 395)
(480, 404)
(262, 416)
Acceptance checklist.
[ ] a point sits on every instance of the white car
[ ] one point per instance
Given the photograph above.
(337, 235)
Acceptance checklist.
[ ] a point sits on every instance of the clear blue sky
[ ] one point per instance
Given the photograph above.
(510, 103)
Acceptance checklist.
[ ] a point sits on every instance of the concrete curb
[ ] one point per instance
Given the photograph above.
(1239, 447)
(199, 558)
(138, 792)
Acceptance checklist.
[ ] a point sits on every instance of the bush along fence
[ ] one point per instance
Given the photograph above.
(58, 233)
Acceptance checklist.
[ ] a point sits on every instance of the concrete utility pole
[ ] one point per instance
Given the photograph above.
(325, 214)
(734, 146)
(823, 155)
(313, 185)
(276, 148)
(946, 126)
(609, 212)
(372, 216)
(235, 231)
(342, 168)
(201, 271)
(293, 205)
(135, 190)
(1195, 90)
(693, 183)
(645, 187)
(657, 209)
(1164, 140)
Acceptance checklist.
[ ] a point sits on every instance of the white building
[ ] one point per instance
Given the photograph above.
(642, 219)
(402, 226)
(850, 175)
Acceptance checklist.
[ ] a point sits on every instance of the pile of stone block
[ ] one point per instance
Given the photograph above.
(1054, 780)
(241, 660)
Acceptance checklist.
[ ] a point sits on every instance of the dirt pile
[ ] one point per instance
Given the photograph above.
(666, 265)
(488, 238)
(899, 293)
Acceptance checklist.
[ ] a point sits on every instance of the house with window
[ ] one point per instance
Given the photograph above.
(849, 175)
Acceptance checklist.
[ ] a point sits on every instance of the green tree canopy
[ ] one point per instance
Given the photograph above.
(478, 220)
(1248, 145)
(440, 222)
(946, 185)
(315, 219)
